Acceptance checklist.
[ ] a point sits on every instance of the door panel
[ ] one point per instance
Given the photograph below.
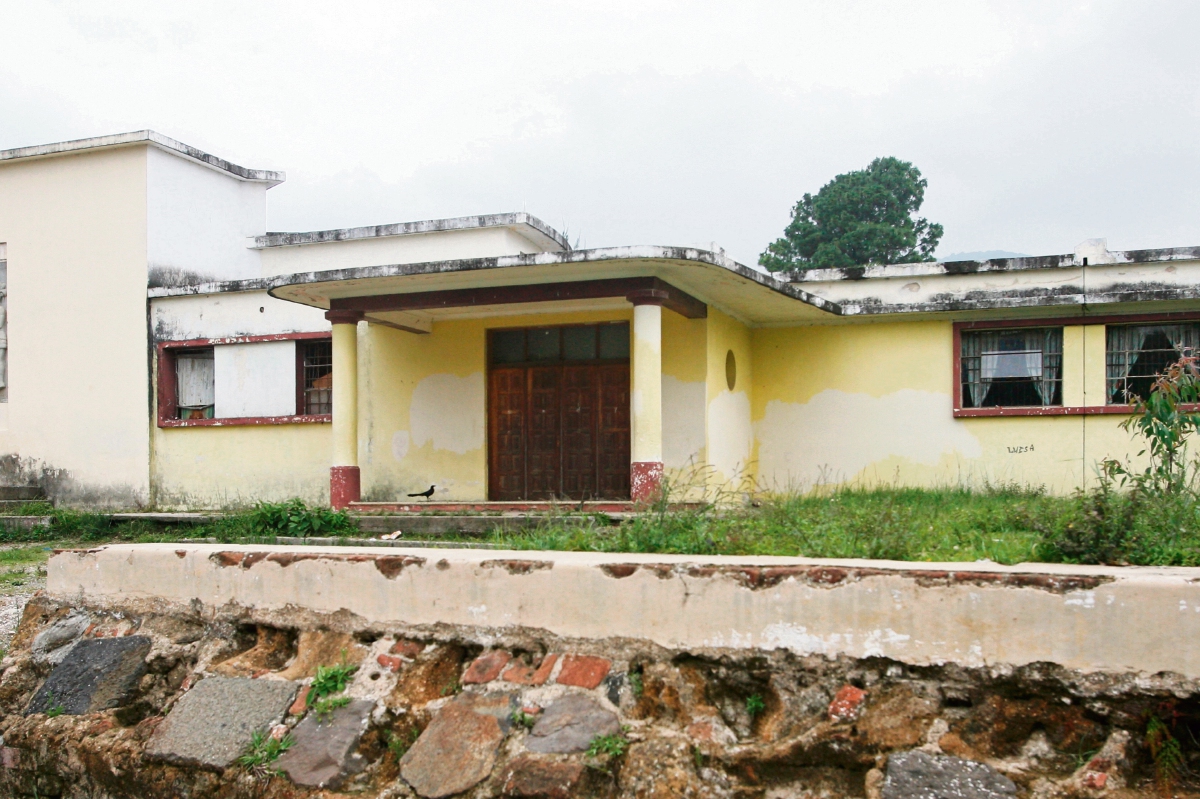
(614, 432)
(579, 451)
(559, 432)
(543, 455)
(506, 429)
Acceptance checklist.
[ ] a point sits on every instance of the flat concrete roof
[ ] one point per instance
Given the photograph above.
(744, 293)
(149, 137)
(927, 268)
(530, 227)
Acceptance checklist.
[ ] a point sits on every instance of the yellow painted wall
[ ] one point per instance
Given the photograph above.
(871, 404)
(684, 401)
(78, 411)
(229, 467)
(730, 433)
(422, 404)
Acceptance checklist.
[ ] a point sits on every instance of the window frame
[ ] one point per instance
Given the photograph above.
(167, 387)
(1054, 321)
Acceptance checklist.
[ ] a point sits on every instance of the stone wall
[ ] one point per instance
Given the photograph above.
(128, 693)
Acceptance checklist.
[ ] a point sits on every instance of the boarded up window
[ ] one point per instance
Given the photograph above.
(255, 379)
(194, 384)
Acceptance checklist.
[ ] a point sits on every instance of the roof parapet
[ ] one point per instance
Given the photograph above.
(516, 219)
(150, 137)
(1094, 250)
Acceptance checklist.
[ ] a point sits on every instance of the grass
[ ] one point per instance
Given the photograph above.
(262, 751)
(324, 708)
(901, 524)
(1006, 525)
(608, 745)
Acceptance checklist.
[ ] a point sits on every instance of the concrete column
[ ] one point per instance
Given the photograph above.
(345, 483)
(645, 396)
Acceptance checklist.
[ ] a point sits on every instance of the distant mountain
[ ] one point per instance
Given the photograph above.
(981, 255)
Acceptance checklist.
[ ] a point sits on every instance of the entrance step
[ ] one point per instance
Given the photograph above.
(601, 506)
(413, 524)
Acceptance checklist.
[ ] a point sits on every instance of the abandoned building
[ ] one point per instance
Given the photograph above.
(161, 347)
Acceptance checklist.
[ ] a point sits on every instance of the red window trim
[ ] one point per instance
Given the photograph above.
(166, 383)
(1055, 321)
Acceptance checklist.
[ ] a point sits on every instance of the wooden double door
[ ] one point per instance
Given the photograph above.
(558, 431)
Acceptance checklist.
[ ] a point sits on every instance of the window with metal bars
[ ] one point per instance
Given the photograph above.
(318, 377)
(1012, 368)
(1136, 354)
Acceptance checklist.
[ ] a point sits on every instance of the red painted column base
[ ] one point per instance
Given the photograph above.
(345, 486)
(645, 480)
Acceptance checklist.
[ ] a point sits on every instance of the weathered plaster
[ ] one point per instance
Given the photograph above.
(837, 435)
(1093, 619)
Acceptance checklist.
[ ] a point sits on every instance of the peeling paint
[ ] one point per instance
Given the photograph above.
(801, 444)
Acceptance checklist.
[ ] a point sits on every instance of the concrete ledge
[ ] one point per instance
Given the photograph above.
(1086, 618)
(25, 522)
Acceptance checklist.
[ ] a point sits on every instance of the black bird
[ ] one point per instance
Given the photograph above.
(426, 494)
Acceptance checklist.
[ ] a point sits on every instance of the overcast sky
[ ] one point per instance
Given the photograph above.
(1038, 124)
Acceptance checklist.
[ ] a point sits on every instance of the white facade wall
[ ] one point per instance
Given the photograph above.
(407, 249)
(78, 410)
(200, 222)
(243, 313)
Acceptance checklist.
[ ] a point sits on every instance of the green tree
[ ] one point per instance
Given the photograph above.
(861, 217)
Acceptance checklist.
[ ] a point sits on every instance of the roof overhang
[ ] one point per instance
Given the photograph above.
(153, 139)
(697, 276)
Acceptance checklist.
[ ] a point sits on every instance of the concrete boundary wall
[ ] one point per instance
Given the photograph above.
(1141, 620)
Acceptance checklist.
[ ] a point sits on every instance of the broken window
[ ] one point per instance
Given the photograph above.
(1012, 368)
(1137, 354)
(194, 384)
(317, 368)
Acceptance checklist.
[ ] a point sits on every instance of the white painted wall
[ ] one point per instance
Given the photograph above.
(409, 249)
(244, 313)
(199, 222)
(255, 379)
(75, 228)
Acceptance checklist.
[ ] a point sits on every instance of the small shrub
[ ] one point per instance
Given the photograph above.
(1095, 528)
(295, 519)
(608, 745)
(332, 679)
(755, 705)
(262, 751)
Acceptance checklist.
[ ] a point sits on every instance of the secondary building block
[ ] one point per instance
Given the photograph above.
(212, 724)
(96, 674)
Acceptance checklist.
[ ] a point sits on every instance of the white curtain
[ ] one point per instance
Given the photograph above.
(194, 376)
(1125, 343)
(990, 355)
